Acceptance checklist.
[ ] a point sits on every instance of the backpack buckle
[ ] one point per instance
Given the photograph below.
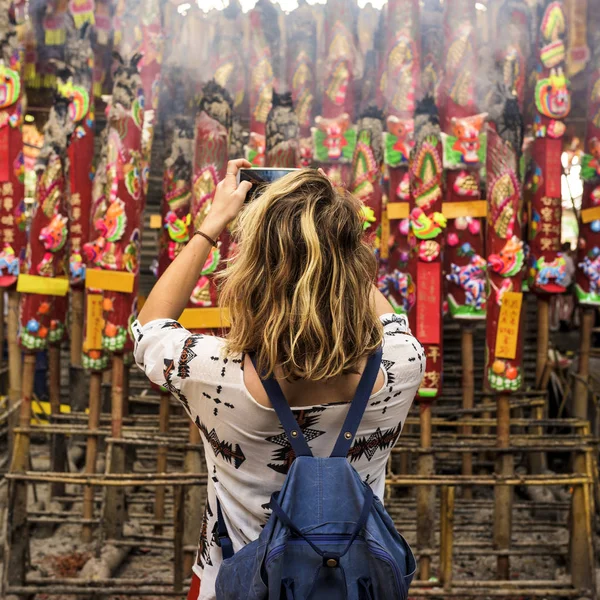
(331, 560)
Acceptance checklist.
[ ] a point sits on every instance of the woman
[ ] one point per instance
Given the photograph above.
(301, 296)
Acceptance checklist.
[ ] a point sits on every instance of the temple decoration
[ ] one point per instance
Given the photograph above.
(229, 66)
(264, 65)
(211, 146)
(75, 84)
(366, 176)
(505, 248)
(425, 240)
(281, 139)
(177, 194)
(397, 92)
(301, 68)
(117, 217)
(43, 316)
(547, 269)
(12, 162)
(587, 283)
(464, 151)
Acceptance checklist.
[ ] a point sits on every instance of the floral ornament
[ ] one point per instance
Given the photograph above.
(19, 167)
(114, 337)
(404, 227)
(452, 239)
(466, 185)
(45, 267)
(590, 163)
(429, 250)
(504, 196)
(403, 188)
(368, 216)
(426, 173)
(255, 149)
(535, 179)
(553, 28)
(504, 376)
(56, 332)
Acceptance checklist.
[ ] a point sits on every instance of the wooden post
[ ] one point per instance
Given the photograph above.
(425, 497)
(178, 533)
(468, 385)
(14, 360)
(16, 559)
(161, 461)
(581, 392)
(581, 550)
(503, 493)
(58, 450)
(537, 460)
(193, 501)
(91, 452)
(446, 535)
(114, 506)
(77, 381)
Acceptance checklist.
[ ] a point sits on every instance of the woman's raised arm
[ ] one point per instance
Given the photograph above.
(172, 291)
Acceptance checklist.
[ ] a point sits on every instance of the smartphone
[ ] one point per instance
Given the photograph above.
(259, 177)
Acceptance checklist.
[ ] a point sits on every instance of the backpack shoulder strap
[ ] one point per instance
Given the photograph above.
(358, 406)
(284, 413)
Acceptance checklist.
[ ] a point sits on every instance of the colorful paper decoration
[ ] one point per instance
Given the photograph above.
(211, 137)
(12, 206)
(464, 151)
(43, 316)
(264, 63)
(587, 281)
(424, 240)
(302, 64)
(341, 56)
(505, 251)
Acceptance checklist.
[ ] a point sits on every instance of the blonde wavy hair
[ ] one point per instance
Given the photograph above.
(299, 284)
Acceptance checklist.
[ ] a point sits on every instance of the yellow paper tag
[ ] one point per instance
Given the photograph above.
(205, 318)
(384, 250)
(109, 281)
(155, 221)
(34, 284)
(508, 325)
(471, 208)
(397, 210)
(94, 322)
(590, 214)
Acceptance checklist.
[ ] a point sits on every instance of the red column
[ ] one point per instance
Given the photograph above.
(398, 90)
(552, 104)
(12, 169)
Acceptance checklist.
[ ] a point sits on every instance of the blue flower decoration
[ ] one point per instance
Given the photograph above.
(32, 326)
(595, 226)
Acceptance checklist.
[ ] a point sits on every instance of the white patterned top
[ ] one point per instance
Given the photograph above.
(247, 452)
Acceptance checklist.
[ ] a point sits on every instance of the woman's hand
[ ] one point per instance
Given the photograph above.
(229, 197)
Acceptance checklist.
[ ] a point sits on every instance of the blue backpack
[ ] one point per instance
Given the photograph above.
(329, 537)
